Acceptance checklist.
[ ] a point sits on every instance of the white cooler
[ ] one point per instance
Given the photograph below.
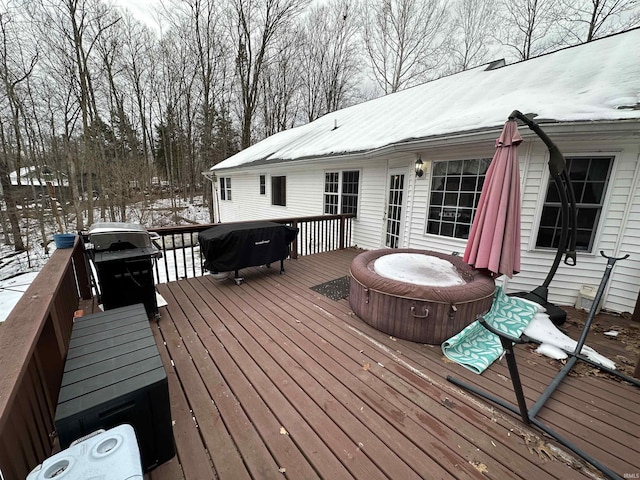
(111, 454)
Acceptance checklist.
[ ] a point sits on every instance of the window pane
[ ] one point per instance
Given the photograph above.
(552, 193)
(599, 170)
(263, 184)
(578, 168)
(453, 184)
(446, 229)
(454, 167)
(439, 168)
(470, 167)
(437, 183)
(545, 237)
(437, 198)
(593, 192)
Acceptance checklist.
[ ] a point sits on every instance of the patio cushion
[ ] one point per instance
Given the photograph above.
(475, 347)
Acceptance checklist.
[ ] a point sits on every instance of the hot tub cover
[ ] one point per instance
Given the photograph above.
(231, 247)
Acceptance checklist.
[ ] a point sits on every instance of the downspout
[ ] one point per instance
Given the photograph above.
(211, 176)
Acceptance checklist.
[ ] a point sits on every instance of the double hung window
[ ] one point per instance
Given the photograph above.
(341, 192)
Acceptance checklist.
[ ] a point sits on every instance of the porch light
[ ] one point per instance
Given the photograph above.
(419, 166)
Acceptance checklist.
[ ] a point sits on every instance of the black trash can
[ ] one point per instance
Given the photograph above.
(124, 256)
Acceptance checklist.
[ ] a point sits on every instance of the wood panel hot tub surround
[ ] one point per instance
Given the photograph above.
(417, 313)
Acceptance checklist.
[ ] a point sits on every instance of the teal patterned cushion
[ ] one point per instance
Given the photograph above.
(475, 347)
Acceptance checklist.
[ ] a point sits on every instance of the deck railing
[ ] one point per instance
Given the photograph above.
(181, 253)
(34, 340)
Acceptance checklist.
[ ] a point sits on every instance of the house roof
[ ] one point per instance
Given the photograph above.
(597, 81)
(37, 177)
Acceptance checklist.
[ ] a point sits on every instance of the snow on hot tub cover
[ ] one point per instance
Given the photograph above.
(418, 269)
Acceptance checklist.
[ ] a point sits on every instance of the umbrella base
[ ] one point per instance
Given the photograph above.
(557, 315)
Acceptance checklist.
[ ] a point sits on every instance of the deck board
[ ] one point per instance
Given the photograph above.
(271, 379)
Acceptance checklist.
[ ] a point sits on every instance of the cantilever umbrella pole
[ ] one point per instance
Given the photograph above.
(558, 171)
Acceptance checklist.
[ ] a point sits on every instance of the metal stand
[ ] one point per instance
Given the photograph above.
(528, 416)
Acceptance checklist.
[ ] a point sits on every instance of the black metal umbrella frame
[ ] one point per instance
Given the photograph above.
(560, 176)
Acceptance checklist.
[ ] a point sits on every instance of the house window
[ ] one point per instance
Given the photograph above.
(263, 184)
(455, 191)
(341, 192)
(225, 188)
(279, 191)
(589, 177)
(331, 194)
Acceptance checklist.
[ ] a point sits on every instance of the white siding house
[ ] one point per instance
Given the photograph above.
(585, 98)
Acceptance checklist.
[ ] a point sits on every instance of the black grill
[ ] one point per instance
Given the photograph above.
(123, 255)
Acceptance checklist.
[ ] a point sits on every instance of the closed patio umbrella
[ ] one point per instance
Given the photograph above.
(494, 240)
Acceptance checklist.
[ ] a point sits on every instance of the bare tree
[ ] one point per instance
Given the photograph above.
(586, 20)
(16, 66)
(529, 27)
(403, 41)
(473, 25)
(280, 85)
(341, 74)
(255, 26)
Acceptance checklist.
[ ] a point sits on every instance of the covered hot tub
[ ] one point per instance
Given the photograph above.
(417, 295)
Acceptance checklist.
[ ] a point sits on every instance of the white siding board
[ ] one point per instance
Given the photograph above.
(369, 227)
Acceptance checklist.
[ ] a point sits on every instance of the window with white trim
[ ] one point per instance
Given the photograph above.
(589, 177)
(225, 188)
(341, 192)
(455, 191)
(263, 184)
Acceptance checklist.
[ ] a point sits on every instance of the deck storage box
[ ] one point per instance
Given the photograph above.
(114, 375)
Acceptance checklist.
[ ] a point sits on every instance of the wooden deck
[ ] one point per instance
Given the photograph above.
(270, 379)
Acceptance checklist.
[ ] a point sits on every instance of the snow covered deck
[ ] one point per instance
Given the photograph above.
(273, 380)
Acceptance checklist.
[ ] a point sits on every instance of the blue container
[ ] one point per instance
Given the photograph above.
(64, 240)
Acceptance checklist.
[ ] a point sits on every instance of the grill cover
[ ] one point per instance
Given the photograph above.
(232, 247)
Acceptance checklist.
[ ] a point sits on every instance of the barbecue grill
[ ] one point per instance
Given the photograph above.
(123, 255)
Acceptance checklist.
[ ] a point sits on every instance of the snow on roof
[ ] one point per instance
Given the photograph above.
(597, 81)
(31, 176)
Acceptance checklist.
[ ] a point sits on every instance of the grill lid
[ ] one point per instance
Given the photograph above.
(118, 236)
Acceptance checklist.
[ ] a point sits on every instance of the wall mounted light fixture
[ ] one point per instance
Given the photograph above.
(419, 166)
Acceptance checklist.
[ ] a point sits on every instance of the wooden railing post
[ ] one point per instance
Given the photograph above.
(82, 272)
(342, 232)
(294, 245)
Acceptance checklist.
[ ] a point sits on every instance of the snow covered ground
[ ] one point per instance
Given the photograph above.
(17, 270)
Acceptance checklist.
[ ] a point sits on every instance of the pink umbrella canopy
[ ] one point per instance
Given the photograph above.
(494, 241)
